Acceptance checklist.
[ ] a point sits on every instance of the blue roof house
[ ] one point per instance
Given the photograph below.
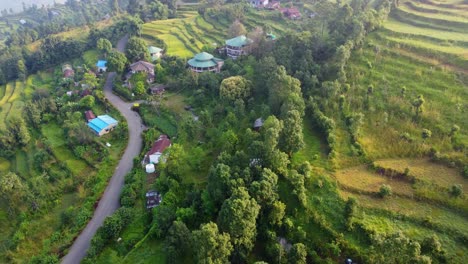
(101, 65)
(102, 124)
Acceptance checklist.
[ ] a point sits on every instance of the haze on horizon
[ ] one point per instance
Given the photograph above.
(17, 6)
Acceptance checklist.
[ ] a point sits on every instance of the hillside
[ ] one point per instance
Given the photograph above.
(421, 50)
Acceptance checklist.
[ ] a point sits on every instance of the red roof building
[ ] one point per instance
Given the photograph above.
(89, 115)
(158, 148)
(273, 5)
(68, 73)
(291, 13)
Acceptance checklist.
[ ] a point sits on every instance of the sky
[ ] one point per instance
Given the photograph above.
(17, 5)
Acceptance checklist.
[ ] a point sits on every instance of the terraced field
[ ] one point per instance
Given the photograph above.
(188, 34)
(421, 50)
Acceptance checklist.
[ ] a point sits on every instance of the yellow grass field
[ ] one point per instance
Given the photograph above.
(426, 170)
(361, 178)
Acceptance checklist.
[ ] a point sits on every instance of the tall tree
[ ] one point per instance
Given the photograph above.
(292, 138)
(11, 187)
(17, 128)
(233, 88)
(177, 241)
(418, 104)
(32, 114)
(104, 45)
(136, 50)
(238, 217)
(396, 248)
(115, 6)
(281, 85)
(116, 61)
(237, 29)
(213, 247)
(90, 79)
(297, 254)
(21, 70)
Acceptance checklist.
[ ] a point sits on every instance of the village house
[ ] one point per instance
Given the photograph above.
(259, 3)
(89, 115)
(154, 154)
(101, 66)
(153, 199)
(155, 52)
(68, 71)
(204, 61)
(291, 13)
(273, 5)
(158, 89)
(237, 46)
(102, 124)
(258, 124)
(143, 66)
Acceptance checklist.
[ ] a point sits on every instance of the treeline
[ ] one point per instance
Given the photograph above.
(45, 21)
(148, 10)
(54, 50)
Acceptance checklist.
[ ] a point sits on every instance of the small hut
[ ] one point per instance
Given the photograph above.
(258, 124)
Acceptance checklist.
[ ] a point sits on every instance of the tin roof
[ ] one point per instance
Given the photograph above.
(238, 41)
(153, 49)
(204, 60)
(101, 63)
(101, 122)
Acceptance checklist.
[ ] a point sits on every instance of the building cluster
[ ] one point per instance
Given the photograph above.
(291, 12)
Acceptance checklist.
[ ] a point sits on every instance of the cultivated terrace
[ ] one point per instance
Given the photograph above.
(273, 132)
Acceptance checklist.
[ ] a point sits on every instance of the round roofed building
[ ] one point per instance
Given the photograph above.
(238, 46)
(204, 61)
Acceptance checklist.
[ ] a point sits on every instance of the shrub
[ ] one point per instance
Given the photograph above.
(385, 190)
(426, 133)
(456, 190)
(406, 136)
(465, 171)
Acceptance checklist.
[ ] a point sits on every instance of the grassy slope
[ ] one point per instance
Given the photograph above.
(419, 54)
(187, 34)
(62, 152)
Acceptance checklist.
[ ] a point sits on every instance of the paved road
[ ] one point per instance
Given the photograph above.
(110, 200)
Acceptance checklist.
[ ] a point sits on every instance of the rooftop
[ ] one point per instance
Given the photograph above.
(238, 41)
(101, 63)
(204, 60)
(101, 122)
(142, 66)
(153, 49)
(153, 199)
(89, 115)
(160, 145)
(258, 123)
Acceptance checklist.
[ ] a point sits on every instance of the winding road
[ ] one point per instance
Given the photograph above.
(110, 201)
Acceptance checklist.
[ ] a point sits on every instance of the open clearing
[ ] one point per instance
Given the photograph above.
(362, 179)
(426, 170)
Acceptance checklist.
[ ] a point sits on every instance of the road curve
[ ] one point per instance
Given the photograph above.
(110, 201)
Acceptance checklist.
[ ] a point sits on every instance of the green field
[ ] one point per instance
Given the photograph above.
(62, 152)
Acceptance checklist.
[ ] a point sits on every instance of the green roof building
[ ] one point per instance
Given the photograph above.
(204, 61)
(237, 46)
(155, 52)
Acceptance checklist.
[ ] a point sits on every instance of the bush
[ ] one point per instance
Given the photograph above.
(426, 133)
(465, 171)
(385, 190)
(456, 190)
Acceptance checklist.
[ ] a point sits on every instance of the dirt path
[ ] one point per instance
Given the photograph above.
(110, 201)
